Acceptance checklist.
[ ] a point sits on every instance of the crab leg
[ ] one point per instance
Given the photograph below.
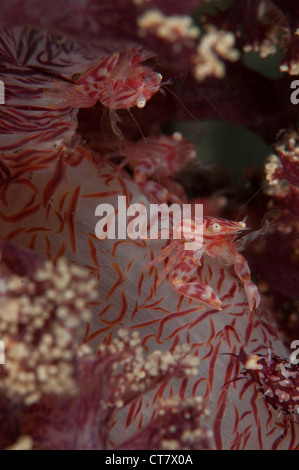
(243, 272)
(165, 252)
(156, 192)
(144, 169)
(171, 262)
(200, 291)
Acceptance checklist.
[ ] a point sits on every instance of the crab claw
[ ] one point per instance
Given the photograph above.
(243, 272)
(198, 291)
(252, 295)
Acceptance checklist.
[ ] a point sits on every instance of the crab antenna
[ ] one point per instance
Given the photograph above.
(181, 103)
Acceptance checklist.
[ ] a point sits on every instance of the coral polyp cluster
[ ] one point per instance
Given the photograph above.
(40, 315)
(59, 392)
(282, 171)
(159, 102)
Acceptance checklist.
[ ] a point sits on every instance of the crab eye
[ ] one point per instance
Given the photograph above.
(141, 102)
(216, 227)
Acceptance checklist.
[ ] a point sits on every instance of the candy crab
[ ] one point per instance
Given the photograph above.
(155, 161)
(218, 242)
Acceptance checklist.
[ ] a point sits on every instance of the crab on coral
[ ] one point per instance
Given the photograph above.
(55, 59)
(155, 162)
(218, 243)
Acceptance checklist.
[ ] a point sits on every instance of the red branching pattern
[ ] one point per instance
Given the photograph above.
(160, 318)
(51, 183)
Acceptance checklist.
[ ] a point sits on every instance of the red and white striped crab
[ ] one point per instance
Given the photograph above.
(218, 242)
(155, 161)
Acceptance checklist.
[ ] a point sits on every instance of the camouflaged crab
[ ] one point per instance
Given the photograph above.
(218, 243)
(57, 57)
